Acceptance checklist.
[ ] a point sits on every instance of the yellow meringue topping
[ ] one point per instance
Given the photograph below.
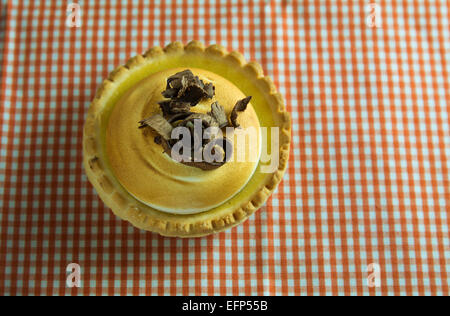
(152, 176)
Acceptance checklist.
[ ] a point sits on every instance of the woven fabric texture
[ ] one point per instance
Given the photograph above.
(367, 187)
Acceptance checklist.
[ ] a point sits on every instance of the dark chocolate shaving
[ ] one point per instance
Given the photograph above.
(207, 120)
(210, 90)
(174, 81)
(169, 107)
(170, 93)
(159, 124)
(240, 106)
(184, 90)
(218, 112)
(165, 107)
(184, 86)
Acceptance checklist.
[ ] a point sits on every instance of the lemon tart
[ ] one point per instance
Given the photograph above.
(128, 139)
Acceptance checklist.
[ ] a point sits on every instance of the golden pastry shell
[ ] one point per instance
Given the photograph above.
(193, 225)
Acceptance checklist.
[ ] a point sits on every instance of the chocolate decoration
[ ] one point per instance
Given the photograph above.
(240, 106)
(218, 112)
(185, 90)
(184, 86)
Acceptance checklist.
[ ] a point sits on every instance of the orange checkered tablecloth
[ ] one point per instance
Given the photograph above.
(367, 184)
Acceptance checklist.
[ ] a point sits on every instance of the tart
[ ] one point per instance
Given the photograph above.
(127, 142)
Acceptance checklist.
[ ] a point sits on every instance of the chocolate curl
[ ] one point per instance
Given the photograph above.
(239, 107)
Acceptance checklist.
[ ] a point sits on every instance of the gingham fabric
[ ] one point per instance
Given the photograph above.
(368, 177)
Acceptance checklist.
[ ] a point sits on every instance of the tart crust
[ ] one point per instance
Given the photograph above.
(144, 217)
